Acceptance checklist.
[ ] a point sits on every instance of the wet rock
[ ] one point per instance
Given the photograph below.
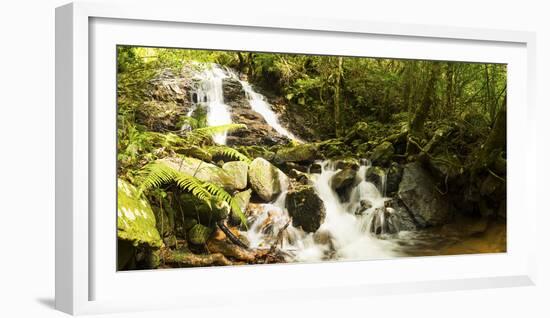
(393, 178)
(377, 176)
(315, 168)
(306, 208)
(266, 180)
(342, 180)
(135, 219)
(382, 154)
(418, 192)
(382, 222)
(364, 205)
(202, 170)
(258, 131)
(303, 153)
(392, 218)
(299, 176)
(402, 218)
(292, 165)
(232, 89)
(347, 163)
(239, 171)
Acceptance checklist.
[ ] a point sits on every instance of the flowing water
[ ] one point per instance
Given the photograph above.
(259, 104)
(343, 235)
(210, 94)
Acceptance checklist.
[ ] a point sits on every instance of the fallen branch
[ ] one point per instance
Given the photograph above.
(234, 239)
(186, 258)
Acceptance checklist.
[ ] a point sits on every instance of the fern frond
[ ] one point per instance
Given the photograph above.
(207, 132)
(158, 174)
(221, 194)
(227, 152)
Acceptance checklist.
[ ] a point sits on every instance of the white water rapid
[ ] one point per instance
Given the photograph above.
(344, 235)
(210, 93)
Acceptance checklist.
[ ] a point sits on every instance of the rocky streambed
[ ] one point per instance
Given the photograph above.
(357, 197)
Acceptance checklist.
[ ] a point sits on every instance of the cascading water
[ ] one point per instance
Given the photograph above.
(259, 104)
(210, 92)
(344, 235)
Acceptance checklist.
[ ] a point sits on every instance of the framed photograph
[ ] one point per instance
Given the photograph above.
(244, 156)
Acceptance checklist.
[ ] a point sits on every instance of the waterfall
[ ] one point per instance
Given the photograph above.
(346, 232)
(210, 93)
(259, 104)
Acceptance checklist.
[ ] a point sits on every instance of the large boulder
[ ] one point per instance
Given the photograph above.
(306, 208)
(203, 171)
(303, 153)
(135, 219)
(418, 192)
(266, 180)
(239, 171)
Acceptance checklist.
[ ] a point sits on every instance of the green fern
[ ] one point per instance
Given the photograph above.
(227, 152)
(202, 134)
(157, 174)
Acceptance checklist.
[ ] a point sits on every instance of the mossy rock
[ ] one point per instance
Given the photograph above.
(256, 151)
(195, 152)
(194, 208)
(266, 180)
(342, 180)
(347, 163)
(303, 153)
(333, 148)
(203, 171)
(136, 221)
(382, 154)
(199, 234)
(242, 199)
(359, 131)
(239, 171)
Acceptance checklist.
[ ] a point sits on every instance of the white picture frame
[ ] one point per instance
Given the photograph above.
(85, 34)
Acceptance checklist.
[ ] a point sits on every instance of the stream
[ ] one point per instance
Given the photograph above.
(344, 234)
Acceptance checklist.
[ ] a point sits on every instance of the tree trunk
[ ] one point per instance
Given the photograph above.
(496, 141)
(416, 128)
(450, 89)
(337, 110)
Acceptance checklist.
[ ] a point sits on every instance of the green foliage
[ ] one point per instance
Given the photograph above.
(201, 135)
(157, 174)
(225, 151)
